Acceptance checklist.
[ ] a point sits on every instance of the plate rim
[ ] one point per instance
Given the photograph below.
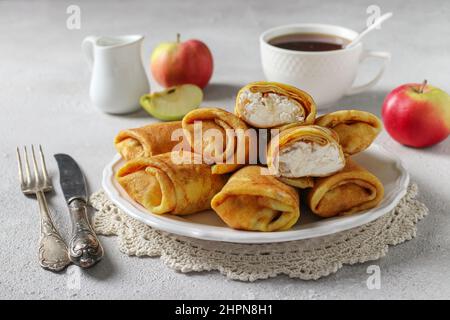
(215, 233)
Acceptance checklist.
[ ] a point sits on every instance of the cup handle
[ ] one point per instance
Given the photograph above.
(87, 46)
(385, 56)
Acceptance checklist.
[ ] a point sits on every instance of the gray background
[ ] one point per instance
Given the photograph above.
(44, 99)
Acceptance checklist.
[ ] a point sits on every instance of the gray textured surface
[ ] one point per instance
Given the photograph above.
(44, 99)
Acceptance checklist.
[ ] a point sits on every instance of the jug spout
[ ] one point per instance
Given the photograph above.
(88, 47)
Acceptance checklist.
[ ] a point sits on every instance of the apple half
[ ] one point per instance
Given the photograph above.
(172, 103)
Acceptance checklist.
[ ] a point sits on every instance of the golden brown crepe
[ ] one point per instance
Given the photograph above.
(356, 129)
(304, 151)
(252, 201)
(164, 186)
(146, 141)
(301, 183)
(228, 150)
(349, 191)
(271, 104)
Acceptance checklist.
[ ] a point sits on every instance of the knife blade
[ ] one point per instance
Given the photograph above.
(71, 178)
(85, 249)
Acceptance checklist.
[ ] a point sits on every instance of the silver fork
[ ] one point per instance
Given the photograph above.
(53, 254)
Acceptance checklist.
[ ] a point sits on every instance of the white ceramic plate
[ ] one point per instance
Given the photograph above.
(208, 226)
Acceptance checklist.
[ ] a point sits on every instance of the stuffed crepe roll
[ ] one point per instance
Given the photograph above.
(271, 104)
(146, 141)
(164, 186)
(221, 141)
(349, 191)
(356, 129)
(252, 201)
(303, 152)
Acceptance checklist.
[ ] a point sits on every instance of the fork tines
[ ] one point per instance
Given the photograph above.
(39, 182)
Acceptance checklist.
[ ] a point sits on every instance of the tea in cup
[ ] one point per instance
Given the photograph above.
(314, 58)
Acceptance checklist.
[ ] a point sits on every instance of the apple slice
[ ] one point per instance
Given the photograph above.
(172, 103)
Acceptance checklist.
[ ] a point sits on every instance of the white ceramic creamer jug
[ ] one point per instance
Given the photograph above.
(118, 76)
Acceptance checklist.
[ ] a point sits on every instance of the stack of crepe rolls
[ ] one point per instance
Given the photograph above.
(164, 186)
(303, 152)
(356, 129)
(271, 104)
(146, 141)
(253, 201)
(312, 156)
(221, 138)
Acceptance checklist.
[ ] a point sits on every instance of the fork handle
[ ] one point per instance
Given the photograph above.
(52, 249)
(85, 249)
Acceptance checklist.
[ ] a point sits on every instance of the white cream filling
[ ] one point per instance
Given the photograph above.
(303, 159)
(270, 110)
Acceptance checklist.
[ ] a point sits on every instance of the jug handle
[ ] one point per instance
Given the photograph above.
(87, 46)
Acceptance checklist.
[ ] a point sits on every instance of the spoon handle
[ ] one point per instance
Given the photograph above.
(376, 23)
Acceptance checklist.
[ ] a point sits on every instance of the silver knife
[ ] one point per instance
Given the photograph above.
(85, 249)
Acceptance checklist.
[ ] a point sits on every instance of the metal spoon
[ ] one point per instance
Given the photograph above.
(376, 23)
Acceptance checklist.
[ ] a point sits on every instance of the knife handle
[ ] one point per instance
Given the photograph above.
(85, 249)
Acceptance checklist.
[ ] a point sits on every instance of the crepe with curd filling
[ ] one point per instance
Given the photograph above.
(351, 190)
(253, 201)
(271, 104)
(221, 142)
(356, 129)
(303, 152)
(164, 186)
(146, 141)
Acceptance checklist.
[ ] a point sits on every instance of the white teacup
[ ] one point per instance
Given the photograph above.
(326, 75)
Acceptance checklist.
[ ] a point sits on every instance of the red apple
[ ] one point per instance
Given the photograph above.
(417, 115)
(177, 63)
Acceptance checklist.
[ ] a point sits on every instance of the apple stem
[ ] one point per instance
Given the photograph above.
(178, 38)
(422, 87)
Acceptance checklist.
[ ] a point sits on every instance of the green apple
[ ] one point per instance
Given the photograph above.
(172, 103)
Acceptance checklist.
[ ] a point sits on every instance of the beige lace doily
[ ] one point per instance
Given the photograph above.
(304, 259)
